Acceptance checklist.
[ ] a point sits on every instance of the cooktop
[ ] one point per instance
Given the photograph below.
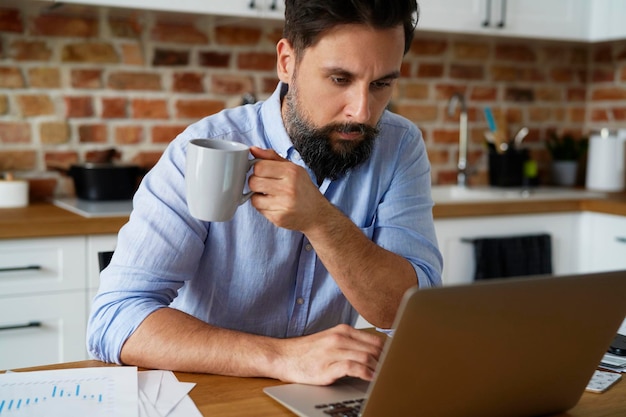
(87, 208)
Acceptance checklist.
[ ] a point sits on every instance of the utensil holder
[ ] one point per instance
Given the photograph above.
(506, 169)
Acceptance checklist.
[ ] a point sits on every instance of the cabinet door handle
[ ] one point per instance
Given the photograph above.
(21, 268)
(252, 4)
(273, 6)
(502, 22)
(621, 239)
(21, 326)
(487, 20)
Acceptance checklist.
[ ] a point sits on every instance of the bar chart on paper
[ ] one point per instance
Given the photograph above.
(94, 392)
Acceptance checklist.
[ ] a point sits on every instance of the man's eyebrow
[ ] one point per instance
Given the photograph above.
(338, 71)
(343, 72)
(391, 76)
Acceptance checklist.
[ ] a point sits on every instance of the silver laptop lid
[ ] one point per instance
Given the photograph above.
(514, 347)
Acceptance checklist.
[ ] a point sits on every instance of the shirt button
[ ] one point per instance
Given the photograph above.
(308, 247)
(300, 300)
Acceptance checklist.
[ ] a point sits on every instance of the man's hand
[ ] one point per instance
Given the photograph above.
(285, 194)
(323, 358)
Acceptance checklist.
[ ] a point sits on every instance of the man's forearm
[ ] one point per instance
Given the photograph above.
(171, 339)
(372, 278)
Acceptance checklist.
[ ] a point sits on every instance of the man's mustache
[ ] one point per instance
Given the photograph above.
(360, 128)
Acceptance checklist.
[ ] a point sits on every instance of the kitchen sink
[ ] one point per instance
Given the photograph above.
(450, 194)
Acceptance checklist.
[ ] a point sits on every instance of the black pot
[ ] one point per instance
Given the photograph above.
(105, 181)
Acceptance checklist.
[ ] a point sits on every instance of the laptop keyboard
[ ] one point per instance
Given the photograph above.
(349, 408)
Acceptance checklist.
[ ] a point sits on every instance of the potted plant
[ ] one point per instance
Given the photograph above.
(566, 151)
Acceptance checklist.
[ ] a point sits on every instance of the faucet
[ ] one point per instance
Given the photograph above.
(459, 99)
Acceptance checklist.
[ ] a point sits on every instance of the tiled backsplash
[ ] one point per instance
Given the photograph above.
(75, 80)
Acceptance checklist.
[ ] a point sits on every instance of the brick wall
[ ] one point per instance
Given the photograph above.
(77, 80)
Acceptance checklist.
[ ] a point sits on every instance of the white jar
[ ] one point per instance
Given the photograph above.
(13, 193)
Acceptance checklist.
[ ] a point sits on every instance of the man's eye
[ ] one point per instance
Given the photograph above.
(339, 80)
(379, 85)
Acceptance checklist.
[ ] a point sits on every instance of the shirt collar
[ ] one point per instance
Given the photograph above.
(275, 131)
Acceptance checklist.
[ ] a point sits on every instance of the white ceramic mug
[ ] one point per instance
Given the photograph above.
(215, 175)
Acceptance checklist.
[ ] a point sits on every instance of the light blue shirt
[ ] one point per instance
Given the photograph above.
(247, 274)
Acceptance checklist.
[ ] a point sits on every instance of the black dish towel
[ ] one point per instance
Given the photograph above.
(501, 257)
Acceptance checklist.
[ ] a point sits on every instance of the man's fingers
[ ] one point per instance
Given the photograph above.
(357, 370)
(367, 338)
(269, 154)
(356, 353)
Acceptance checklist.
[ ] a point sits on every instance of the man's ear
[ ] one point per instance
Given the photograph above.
(286, 60)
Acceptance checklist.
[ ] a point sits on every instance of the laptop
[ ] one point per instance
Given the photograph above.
(513, 347)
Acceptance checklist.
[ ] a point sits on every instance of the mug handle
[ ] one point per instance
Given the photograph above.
(245, 197)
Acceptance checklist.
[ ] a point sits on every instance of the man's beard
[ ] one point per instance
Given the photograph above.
(326, 157)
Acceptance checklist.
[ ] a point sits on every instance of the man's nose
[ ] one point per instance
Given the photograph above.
(358, 108)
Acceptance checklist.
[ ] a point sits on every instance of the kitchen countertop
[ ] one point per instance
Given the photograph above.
(612, 204)
(48, 220)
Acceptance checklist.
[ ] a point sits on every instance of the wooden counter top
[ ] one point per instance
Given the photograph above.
(613, 204)
(616, 204)
(48, 220)
(492, 208)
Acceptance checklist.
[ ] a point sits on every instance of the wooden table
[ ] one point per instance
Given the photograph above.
(221, 396)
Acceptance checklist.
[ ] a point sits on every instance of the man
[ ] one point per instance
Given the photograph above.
(340, 225)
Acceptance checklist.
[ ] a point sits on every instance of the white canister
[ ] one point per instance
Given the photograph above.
(13, 193)
(605, 163)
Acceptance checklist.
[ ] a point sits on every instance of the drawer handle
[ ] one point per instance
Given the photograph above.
(502, 22)
(21, 326)
(621, 239)
(21, 268)
(487, 20)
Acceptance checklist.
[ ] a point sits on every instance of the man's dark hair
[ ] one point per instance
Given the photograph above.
(305, 20)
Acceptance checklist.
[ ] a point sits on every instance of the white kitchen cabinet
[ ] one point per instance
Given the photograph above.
(607, 20)
(602, 242)
(550, 19)
(42, 301)
(556, 19)
(577, 20)
(42, 329)
(273, 9)
(458, 253)
(465, 16)
(46, 288)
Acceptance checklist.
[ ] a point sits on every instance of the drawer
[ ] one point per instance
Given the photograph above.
(42, 329)
(29, 266)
